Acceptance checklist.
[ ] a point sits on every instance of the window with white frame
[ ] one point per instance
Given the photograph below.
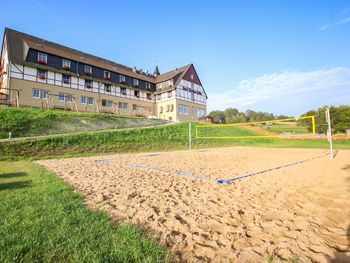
(148, 85)
(66, 64)
(91, 101)
(36, 93)
(87, 69)
(83, 99)
(170, 94)
(200, 113)
(65, 79)
(136, 82)
(107, 87)
(183, 110)
(191, 76)
(107, 75)
(46, 94)
(137, 93)
(122, 105)
(88, 83)
(172, 107)
(149, 96)
(42, 58)
(109, 104)
(161, 109)
(41, 74)
(69, 98)
(122, 78)
(61, 97)
(123, 91)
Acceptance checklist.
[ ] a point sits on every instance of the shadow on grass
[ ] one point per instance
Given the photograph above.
(15, 185)
(12, 175)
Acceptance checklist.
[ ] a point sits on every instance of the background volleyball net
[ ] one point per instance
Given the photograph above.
(291, 127)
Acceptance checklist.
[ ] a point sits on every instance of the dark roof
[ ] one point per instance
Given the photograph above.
(19, 44)
(156, 71)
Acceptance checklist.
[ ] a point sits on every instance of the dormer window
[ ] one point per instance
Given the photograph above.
(87, 70)
(107, 75)
(148, 85)
(136, 82)
(121, 78)
(66, 64)
(42, 58)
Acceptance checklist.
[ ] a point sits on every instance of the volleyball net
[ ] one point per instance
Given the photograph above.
(290, 127)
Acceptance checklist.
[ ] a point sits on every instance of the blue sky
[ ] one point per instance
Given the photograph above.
(284, 57)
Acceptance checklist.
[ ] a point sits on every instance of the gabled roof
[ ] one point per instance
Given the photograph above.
(19, 44)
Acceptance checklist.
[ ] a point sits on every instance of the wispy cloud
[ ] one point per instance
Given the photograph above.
(289, 92)
(345, 19)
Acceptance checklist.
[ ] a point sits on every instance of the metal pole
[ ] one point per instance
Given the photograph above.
(329, 132)
(189, 136)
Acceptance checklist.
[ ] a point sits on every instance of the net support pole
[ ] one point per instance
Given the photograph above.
(329, 132)
(189, 136)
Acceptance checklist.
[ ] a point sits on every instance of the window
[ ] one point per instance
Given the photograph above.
(66, 64)
(46, 94)
(134, 107)
(121, 78)
(109, 104)
(88, 83)
(167, 108)
(136, 82)
(69, 98)
(42, 58)
(87, 70)
(137, 93)
(183, 110)
(192, 96)
(161, 109)
(123, 91)
(191, 76)
(200, 113)
(149, 96)
(36, 93)
(107, 88)
(61, 97)
(148, 85)
(107, 75)
(170, 94)
(83, 100)
(42, 74)
(91, 101)
(171, 107)
(122, 105)
(65, 79)
(104, 102)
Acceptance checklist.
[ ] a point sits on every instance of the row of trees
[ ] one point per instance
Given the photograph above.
(232, 115)
(340, 117)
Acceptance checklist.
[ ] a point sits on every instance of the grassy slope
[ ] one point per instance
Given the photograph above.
(172, 137)
(43, 220)
(32, 122)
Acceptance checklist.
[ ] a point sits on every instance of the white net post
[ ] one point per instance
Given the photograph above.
(329, 133)
(189, 136)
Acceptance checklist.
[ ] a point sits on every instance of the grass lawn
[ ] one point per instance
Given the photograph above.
(43, 220)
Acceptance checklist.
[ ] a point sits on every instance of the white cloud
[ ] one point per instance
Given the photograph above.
(288, 92)
(339, 22)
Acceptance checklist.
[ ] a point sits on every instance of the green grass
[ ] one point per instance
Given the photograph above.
(35, 122)
(224, 130)
(285, 128)
(43, 220)
(162, 138)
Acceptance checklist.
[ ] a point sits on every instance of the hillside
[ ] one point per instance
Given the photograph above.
(35, 122)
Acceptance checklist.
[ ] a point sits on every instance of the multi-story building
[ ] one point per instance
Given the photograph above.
(41, 74)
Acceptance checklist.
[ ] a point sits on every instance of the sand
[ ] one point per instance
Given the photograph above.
(301, 211)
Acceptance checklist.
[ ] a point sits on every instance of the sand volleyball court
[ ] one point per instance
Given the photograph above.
(300, 211)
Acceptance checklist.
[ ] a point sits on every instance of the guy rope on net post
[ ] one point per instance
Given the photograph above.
(329, 132)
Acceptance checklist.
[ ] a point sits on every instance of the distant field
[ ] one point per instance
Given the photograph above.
(36, 122)
(212, 131)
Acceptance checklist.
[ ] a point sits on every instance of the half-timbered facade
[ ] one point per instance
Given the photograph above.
(41, 74)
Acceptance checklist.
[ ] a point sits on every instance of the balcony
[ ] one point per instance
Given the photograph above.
(42, 61)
